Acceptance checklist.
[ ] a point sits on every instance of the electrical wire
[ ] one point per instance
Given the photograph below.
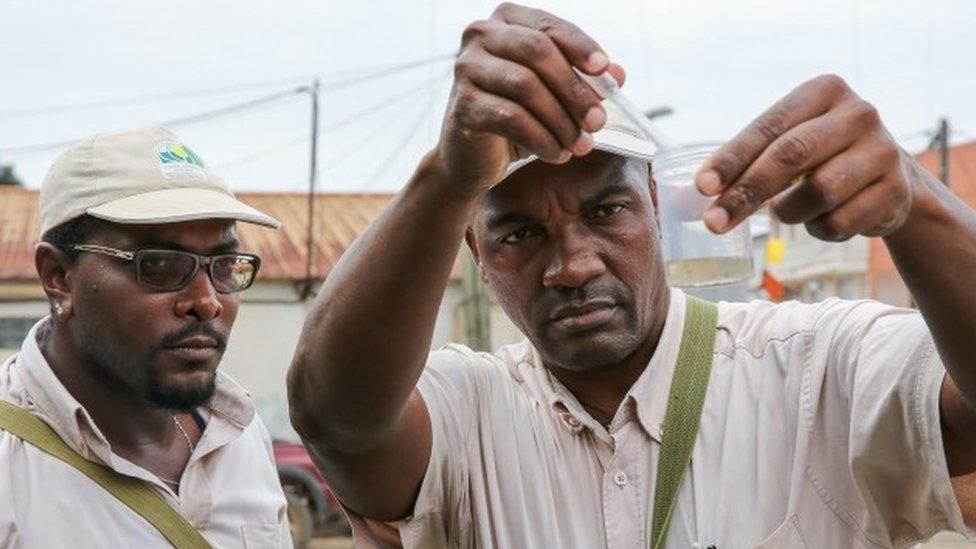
(379, 107)
(148, 98)
(401, 145)
(387, 72)
(363, 114)
(346, 152)
(224, 111)
(371, 73)
(182, 121)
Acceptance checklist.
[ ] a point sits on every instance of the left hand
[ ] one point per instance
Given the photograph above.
(855, 178)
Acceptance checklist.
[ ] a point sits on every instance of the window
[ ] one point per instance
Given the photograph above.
(14, 330)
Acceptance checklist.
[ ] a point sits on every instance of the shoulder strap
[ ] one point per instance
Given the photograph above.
(134, 493)
(683, 415)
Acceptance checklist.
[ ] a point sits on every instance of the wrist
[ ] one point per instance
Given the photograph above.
(929, 205)
(432, 173)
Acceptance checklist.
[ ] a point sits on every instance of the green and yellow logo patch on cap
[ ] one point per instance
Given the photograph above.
(177, 161)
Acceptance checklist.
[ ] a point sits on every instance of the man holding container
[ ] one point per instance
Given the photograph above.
(634, 415)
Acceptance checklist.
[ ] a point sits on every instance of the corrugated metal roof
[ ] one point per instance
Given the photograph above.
(339, 218)
(19, 224)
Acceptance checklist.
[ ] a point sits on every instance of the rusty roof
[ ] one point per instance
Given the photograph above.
(339, 218)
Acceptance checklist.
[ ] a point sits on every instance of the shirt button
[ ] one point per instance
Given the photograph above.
(620, 479)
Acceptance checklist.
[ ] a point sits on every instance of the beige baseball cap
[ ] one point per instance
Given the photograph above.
(138, 177)
(618, 136)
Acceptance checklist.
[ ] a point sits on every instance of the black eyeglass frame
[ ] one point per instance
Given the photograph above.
(207, 261)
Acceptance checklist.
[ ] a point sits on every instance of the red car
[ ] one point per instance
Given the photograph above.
(312, 509)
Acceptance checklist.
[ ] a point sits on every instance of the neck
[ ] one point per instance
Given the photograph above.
(600, 391)
(126, 419)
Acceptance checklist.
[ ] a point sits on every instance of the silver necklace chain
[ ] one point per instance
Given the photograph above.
(189, 444)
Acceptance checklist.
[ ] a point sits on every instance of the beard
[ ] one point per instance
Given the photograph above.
(178, 397)
(113, 366)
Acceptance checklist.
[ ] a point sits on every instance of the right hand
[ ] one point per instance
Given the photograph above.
(515, 93)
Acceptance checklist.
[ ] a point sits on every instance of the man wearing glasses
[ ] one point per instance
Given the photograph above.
(139, 259)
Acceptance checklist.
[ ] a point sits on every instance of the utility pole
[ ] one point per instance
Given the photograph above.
(941, 140)
(313, 158)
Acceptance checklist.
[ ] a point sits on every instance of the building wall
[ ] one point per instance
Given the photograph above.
(813, 269)
(261, 345)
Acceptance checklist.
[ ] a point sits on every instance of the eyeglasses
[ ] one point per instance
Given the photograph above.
(172, 270)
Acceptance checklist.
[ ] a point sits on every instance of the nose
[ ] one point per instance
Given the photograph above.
(199, 298)
(574, 262)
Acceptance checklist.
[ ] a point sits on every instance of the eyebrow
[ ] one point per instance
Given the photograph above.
(498, 222)
(605, 193)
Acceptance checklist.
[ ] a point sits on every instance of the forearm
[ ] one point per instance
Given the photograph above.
(935, 252)
(367, 337)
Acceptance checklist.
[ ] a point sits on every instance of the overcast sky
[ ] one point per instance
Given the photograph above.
(717, 63)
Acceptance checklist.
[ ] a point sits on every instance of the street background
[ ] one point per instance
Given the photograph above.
(236, 80)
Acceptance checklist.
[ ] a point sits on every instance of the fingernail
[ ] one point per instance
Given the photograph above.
(563, 157)
(598, 61)
(716, 218)
(595, 118)
(583, 144)
(709, 182)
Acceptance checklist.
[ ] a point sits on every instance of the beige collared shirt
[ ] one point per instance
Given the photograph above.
(229, 490)
(820, 429)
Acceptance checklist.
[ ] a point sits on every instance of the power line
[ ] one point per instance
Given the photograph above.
(359, 143)
(183, 121)
(370, 74)
(398, 149)
(363, 114)
(387, 72)
(379, 107)
(51, 145)
(148, 98)
(234, 109)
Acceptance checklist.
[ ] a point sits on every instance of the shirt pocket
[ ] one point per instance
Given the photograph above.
(786, 536)
(261, 536)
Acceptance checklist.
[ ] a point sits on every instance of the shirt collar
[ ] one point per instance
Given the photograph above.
(647, 398)
(45, 393)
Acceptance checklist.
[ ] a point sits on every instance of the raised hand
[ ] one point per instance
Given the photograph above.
(516, 93)
(823, 157)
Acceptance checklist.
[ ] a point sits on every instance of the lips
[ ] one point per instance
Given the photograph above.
(585, 315)
(196, 348)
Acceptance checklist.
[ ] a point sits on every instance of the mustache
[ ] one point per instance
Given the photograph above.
(553, 299)
(194, 329)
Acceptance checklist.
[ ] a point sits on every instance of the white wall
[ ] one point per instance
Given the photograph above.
(266, 333)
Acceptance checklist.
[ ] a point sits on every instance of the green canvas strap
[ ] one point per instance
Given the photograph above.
(134, 493)
(683, 415)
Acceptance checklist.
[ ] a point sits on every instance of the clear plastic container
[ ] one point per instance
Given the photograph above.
(695, 256)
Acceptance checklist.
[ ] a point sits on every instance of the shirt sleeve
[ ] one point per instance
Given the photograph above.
(873, 404)
(451, 385)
